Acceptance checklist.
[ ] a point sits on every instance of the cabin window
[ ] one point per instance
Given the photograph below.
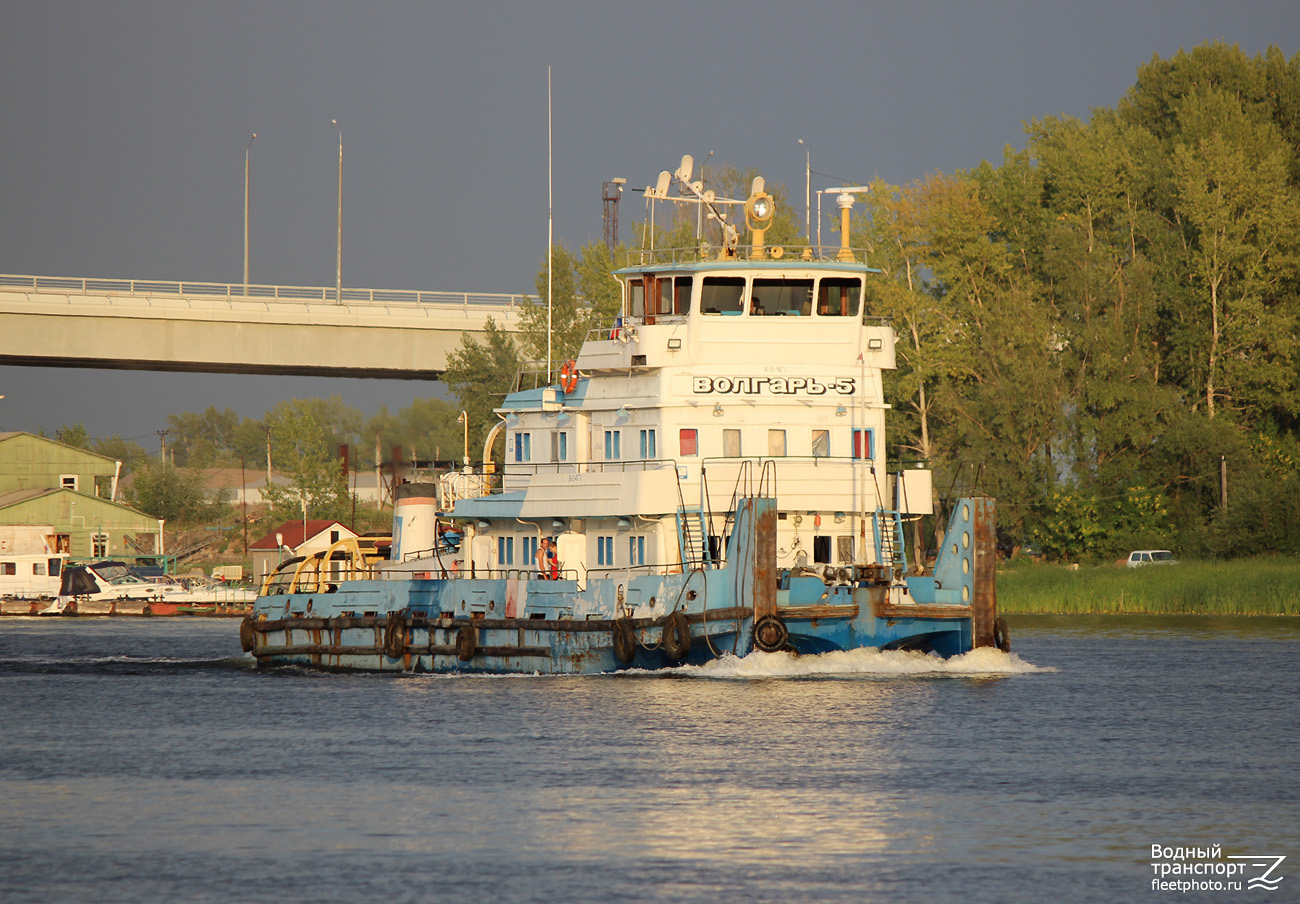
(821, 550)
(56, 566)
(648, 449)
(68, 481)
(844, 546)
(636, 297)
(636, 550)
(682, 295)
(776, 443)
(613, 445)
(99, 545)
(821, 443)
(781, 297)
(665, 296)
(722, 295)
(864, 443)
(605, 551)
(688, 441)
(505, 550)
(529, 550)
(523, 447)
(38, 568)
(9, 568)
(838, 297)
(560, 446)
(731, 443)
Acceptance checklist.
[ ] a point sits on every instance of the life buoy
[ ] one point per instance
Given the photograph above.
(624, 641)
(466, 643)
(1001, 637)
(395, 637)
(676, 640)
(771, 634)
(247, 638)
(569, 376)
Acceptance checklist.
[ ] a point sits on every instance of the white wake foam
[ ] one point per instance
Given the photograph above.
(868, 661)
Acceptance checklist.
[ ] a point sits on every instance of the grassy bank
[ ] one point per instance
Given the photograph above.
(1241, 587)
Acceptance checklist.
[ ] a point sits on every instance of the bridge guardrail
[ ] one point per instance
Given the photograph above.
(236, 291)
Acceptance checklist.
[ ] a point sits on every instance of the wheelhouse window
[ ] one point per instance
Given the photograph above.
(636, 297)
(781, 297)
(838, 296)
(722, 295)
(682, 294)
(688, 441)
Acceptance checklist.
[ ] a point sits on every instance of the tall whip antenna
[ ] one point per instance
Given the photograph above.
(550, 222)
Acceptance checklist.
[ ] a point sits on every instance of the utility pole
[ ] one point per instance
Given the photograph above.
(1223, 483)
(162, 445)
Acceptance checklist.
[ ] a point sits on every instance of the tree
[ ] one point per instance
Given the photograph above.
(305, 436)
(480, 375)
(173, 494)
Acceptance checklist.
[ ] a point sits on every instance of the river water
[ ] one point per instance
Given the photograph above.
(147, 760)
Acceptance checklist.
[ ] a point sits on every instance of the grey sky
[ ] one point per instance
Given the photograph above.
(125, 126)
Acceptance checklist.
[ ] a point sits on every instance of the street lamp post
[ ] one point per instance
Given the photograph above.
(246, 148)
(807, 191)
(338, 272)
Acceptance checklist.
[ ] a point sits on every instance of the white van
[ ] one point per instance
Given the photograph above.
(1141, 557)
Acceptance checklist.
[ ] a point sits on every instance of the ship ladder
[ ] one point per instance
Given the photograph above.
(888, 529)
(691, 537)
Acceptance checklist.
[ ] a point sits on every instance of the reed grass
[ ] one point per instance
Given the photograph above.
(1266, 586)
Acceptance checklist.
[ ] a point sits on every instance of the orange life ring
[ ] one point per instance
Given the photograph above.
(569, 376)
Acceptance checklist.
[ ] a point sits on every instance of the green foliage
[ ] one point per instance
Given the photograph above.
(1103, 317)
(305, 436)
(176, 495)
(480, 375)
(74, 435)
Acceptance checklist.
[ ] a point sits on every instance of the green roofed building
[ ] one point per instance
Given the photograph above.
(69, 492)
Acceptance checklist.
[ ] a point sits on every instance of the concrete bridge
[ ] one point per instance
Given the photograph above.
(130, 324)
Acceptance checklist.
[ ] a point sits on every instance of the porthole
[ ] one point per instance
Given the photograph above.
(965, 539)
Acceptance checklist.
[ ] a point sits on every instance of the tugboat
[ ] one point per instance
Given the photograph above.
(706, 478)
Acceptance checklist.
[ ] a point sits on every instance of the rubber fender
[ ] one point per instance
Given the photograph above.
(1001, 637)
(395, 637)
(676, 640)
(624, 641)
(466, 643)
(771, 634)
